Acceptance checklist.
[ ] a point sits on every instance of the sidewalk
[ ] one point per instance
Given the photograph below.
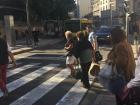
(22, 48)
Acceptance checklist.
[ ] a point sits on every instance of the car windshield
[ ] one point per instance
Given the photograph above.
(104, 30)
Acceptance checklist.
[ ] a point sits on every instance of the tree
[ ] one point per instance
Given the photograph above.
(39, 9)
(61, 9)
(52, 9)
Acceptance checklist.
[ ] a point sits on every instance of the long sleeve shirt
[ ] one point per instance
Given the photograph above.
(135, 82)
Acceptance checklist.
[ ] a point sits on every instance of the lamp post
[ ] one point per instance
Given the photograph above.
(126, 23)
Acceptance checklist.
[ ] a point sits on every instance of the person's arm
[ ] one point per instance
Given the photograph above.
(134, 82)
(69, 47)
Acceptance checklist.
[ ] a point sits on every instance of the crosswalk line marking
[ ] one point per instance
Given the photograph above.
(31, 76)
(20, 69)
(74, 96)
(38, 92)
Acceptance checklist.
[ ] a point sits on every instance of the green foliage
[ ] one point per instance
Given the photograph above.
(39, 9)
(61, 8)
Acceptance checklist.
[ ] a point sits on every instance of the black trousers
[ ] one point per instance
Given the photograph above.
(133, 97)
(85, 78)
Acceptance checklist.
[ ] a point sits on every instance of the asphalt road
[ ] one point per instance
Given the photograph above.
(41, 78)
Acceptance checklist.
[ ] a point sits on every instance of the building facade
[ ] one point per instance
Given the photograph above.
(108, 11)
(136, 10)
(84, 7)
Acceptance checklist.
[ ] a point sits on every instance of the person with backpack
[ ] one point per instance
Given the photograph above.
(5, 52)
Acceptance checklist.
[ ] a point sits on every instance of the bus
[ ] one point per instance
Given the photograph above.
(75, 25)
(53, 27)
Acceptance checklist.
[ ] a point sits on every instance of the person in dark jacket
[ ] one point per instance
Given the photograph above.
(84, 51)
(5, 51)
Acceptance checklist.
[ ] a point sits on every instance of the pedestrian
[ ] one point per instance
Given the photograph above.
(84, 51)
(133, 87)
(92, 37)
(35, 36)
(122, 57)
(5, 51)
(69, 47)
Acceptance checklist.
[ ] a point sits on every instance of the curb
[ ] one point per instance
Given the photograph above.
(16, 52)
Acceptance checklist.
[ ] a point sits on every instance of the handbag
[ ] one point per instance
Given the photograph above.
(77, 72)
(98, 56)
(94, 69)
(117, 84)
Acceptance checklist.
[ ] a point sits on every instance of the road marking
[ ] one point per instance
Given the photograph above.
(27, 78)
(38, 92)
(74, 96)
(20, 69)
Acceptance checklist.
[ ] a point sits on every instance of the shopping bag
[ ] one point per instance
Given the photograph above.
(77, 72)
(105, 75)
(94, 69)
(106, 71)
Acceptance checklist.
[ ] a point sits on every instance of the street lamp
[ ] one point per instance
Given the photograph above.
(128, 12)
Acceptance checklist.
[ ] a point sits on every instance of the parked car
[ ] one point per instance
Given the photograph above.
(103, 34)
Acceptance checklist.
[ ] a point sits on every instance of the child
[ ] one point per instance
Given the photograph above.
(69, 47)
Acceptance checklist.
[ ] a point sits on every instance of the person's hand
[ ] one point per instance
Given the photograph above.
(125, 89)
(125, 92)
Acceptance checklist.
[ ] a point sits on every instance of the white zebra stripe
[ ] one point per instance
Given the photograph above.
(20, 69)
(27, 78)
(38, 92)
(74, 96)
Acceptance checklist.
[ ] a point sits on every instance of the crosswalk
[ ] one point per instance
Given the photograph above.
(39, 85)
